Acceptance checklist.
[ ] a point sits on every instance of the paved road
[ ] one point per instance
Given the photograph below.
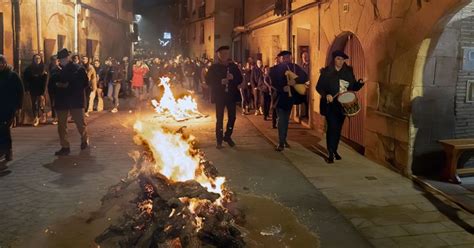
(39, 189)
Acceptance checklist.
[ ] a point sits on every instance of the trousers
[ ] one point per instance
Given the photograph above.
(231, 117)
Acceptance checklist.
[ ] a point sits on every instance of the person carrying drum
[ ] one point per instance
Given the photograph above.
(335, 79)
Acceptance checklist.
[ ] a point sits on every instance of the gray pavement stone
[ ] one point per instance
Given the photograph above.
(428, 240)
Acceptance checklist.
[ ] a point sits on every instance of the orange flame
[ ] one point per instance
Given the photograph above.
(179, 109)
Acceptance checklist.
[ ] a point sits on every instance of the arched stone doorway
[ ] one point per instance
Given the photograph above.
(353, 130)
(442, 103)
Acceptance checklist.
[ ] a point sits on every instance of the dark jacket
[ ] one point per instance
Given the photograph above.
(117, 73)
(35, 80)
(256, 77)
(214, 77)
(54, 77)
(278, 78)
(11, 94)
(328, 83)
(69, 90)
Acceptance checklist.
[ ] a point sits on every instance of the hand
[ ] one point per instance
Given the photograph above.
(329, 98)
(286, 88)
(230, 76)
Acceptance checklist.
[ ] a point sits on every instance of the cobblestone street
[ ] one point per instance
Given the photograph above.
(354, 203)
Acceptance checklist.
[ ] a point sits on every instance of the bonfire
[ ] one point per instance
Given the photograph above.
(181, 109)
(182, 202)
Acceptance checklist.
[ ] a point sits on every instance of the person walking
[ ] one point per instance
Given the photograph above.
(336, 78)
(224, 77)
(286, 96)
(35, 78)
(54, 70)
(92, 89)
(11, 99)
(69, 92)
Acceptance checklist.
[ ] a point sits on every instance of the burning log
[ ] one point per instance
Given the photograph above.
(173, 211)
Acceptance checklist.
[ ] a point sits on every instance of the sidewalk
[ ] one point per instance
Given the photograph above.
(387, 208)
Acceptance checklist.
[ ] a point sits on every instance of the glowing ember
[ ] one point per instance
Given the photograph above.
(179, 109)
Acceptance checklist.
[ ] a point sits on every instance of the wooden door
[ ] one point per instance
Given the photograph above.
(353, 129)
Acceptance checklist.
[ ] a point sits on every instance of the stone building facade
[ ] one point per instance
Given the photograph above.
(103, 28)
(390, 43)
(444, 107)
(208, 25)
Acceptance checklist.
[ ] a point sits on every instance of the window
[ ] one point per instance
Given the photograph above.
(61, 41)
(468, 61)
(470, 91)
(1, 33)
(202, 33)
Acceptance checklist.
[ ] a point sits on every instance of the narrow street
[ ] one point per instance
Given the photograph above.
(354, 203)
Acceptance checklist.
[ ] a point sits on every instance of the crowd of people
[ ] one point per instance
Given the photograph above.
(75, 86)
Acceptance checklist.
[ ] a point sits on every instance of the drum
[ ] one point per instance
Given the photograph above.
(350, 103)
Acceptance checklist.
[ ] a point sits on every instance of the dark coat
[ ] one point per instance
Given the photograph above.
(281, 99)
(69, 89)
(256, 77)
(54, 77)
(11, 94)
(216, 73)
(35, 80)
(328, 83)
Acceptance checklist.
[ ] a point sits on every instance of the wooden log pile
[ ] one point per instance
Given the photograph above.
(172, 214)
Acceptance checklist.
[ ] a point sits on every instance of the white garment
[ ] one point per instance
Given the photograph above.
(343, 85)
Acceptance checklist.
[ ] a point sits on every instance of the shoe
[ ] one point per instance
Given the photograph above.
(86, 114)
(36, 122)
(63, 152)
(337, 156)
(219, 146)
(54, 122)
(330, 159)
(260, 110)
(9, 156)
(256, 112)
(280, 148)
(85, 144)
(229, 141)
(115, 110)
(287, 145)
(274, 127)
(265, 118)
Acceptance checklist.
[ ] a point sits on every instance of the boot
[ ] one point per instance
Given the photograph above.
(63, 152)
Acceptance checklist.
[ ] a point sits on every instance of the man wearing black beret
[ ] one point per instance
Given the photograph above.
(286, 96)
(223, 78)
(69, 93)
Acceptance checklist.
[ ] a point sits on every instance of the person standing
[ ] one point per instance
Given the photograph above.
(336, 78)
(256, 79)
(35, 78)
(266, 89)
(11, 99)
(127, 76)
(99, 90)
(285, 94)
(156, 72)
(245, 89)
(69, 92)
(224, 77)
(116, 74)
(138, 84)
(54, 70)
(92, 89)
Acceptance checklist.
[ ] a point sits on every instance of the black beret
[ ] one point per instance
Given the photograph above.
(339, 53)
(63, 53)
(284, 53)
(223, 48)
